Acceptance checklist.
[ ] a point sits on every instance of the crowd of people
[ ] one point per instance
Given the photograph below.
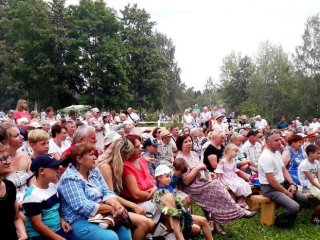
(101, 177)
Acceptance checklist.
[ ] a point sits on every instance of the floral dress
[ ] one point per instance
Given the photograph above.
(228, 176)
(210, 195)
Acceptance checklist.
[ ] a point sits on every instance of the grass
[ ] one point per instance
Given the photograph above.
(251, 229)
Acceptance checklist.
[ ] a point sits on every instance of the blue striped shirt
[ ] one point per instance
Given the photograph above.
(80, 198)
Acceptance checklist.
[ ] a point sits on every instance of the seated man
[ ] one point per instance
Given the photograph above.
(277, 184)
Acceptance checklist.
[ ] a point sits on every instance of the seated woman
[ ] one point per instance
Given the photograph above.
(214, 151)
(293, 155)
(84, 194)
(111, 167)
(57, 144)
(20, 173)
(216, 201)
(139, 185)
(156, 134)
(12, 226)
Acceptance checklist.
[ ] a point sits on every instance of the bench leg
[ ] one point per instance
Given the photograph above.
(268, 213)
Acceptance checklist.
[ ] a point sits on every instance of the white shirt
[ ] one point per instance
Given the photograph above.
(133, 116)
(261, 124)
(306, 166)
(314, 126)
(223, 127)
(205, 116)
(54, 148)
(270, 162)
(187, 119)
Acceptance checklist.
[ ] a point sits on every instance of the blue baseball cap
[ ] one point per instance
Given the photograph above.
(44, 161)
(150, 142)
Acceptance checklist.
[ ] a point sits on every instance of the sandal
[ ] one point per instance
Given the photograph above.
(219, 229)
(244, 205)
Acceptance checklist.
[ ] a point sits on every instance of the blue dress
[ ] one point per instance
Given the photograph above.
(295, 160)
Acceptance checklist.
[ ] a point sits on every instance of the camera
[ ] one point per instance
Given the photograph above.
(229, 118)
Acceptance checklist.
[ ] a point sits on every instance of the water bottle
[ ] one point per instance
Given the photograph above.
(305, 186)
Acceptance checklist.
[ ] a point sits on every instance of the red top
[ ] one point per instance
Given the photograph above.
(143, 177)
(19, 114)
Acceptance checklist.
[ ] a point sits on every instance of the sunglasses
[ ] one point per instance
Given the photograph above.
(125, 144)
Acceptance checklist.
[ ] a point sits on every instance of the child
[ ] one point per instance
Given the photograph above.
(41, 202)
(168, 184)
(309, 170)
(232, 177)
(151, 151)
(39, 142)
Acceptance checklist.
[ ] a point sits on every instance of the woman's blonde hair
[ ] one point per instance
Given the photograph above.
(116, 153)
(20, 105)
(235, 137)
(216, 133)
(230, 147)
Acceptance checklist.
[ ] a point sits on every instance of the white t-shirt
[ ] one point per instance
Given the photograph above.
(54, 148)
(261, 124)
(314, 126)
(270, 162)
(307, 166)
(205, 116)
(133, 117)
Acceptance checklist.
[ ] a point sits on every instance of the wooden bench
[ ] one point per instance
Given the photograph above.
(268, 208)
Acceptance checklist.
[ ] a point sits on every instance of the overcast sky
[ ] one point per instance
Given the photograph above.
(205, 31)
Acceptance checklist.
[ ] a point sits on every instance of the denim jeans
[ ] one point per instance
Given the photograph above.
(66, 235)
(83, 230)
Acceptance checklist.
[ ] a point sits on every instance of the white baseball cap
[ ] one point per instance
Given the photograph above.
(161, 169)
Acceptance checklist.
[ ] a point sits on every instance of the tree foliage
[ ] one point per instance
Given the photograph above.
(29, 40)
(96, 60)
(146, 71)
(236, 73)
(167, 49)
(307, 61)
(55, 55)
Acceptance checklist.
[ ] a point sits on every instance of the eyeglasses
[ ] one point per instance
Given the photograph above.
(5, 159)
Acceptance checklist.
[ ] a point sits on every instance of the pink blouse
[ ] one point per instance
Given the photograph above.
(143, 177)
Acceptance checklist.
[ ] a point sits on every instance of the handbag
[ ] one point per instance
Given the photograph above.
(112, 221)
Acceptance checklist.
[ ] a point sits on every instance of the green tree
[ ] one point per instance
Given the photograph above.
(66, 87)
(273, 83)
(96, 58)
(7, 90)
(167, 49)
(30, 40)
(147, 70)
(235, 77)
(307, 62)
